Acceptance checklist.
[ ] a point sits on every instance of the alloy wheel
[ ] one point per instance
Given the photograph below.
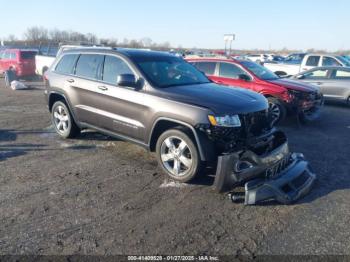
(61, 119)
(275, 112)
(176, 156)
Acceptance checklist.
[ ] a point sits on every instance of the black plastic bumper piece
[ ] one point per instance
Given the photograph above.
(292, 184)
(286, 186)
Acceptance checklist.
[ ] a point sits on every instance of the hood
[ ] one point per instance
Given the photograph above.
(294, 85)
(219, 99)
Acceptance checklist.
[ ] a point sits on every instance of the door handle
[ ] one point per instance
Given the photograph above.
(103, 88)
(70, 80)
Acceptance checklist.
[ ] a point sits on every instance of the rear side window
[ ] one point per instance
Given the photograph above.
(28, 55)
(207, 68)
(230, 71)
(13, 55)
(317, 74)
(313, 61)
(7, 55)
(342, 74)
(66, 64)
(89, 66)
(113, 67)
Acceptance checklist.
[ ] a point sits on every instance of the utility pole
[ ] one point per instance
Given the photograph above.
(228, 39)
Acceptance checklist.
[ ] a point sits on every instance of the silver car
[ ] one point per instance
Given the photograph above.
(334, 82)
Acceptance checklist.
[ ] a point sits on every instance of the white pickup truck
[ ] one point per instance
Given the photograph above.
(296, 63)
(47, 55)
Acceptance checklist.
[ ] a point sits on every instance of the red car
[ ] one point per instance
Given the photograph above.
(284, 96)
(22, 62)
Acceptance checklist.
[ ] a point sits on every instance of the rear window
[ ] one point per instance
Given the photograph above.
(89, 66)
(313, 61)
(66, 64)
(28, 55)
(207, 68)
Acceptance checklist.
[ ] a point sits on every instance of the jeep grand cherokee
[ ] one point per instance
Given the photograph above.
(165, 104)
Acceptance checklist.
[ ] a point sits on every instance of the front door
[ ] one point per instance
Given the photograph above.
(123, 110)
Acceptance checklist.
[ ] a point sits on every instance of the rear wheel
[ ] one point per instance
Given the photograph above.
(178, 155)
(63, 121)
(277, 110)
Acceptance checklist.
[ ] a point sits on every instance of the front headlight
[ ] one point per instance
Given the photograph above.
(225, 121)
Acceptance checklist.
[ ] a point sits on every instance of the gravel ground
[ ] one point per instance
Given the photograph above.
(99, 196)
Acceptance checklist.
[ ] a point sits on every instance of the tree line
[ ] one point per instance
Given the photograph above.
(37, 35)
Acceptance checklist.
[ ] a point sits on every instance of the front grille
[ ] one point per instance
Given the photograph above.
(256, 123)
(275, 170)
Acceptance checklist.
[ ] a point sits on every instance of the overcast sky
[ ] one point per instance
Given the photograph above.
(299, 24)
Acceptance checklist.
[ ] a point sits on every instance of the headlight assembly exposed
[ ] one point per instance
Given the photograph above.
(225, 121)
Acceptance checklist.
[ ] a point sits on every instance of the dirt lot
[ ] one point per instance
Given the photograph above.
(95, 195)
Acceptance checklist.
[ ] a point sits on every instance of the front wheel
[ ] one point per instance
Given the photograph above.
(277, 110)
(63, 121)
(178, 155)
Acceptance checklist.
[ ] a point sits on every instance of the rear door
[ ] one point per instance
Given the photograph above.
(228, 74)
(83, 88)
(339, 84)
(27, 62)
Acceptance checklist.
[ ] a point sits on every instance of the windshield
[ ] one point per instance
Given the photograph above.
(260, 71)
(344, 60)
(28, 54)
(170, 71)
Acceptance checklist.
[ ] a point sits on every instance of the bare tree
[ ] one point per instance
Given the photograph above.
(36, 34)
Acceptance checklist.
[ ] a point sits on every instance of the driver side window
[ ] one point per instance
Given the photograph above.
(230, 71)
(329, 61)
(113, 67)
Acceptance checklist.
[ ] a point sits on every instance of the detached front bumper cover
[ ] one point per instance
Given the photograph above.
(278, 175)
(291, 185)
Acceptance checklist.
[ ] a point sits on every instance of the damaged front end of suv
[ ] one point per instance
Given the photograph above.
(256, 155)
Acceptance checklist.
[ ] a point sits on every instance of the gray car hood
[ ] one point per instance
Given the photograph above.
(220, 99)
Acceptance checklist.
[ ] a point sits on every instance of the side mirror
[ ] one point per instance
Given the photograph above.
(244, 77)
(127, 80)
(280, 74)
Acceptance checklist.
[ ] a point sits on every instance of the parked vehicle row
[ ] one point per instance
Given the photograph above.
(284, 96)
(297, 63)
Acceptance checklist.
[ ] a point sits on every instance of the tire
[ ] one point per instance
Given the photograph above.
(63, 121)
(277, 110)
(178, 155)
(307, 117)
